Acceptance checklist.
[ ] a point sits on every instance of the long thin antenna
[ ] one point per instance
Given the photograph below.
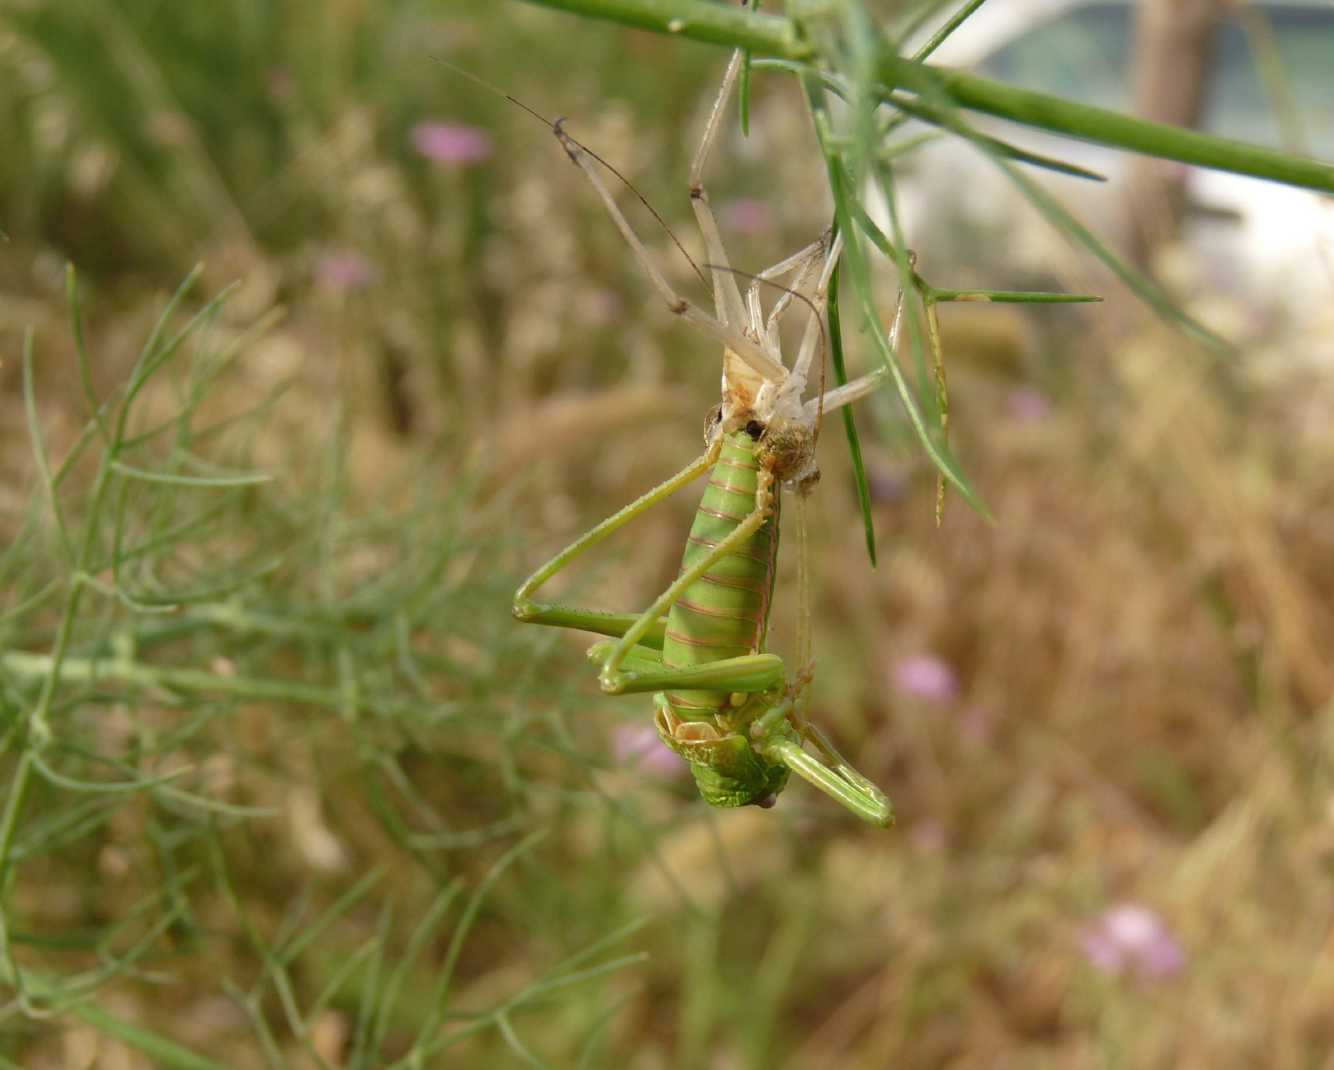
(558, 128)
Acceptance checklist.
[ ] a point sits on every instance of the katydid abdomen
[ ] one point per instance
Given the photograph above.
(725, 613)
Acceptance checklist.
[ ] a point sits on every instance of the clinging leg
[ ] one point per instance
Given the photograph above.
(592, 620)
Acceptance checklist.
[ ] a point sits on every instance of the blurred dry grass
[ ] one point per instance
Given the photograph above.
(1141, 643)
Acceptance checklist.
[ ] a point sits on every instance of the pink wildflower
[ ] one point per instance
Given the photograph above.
(928, 836)
(638, 745)
(451, 143)
(926, 677)
(1130, 938)
(887, 485)
(342, 270)
(1027, 405)
(747, 215)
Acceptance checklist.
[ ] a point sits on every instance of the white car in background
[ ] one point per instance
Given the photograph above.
(1270, 244)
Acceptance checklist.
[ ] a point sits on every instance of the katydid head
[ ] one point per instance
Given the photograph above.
(728, 770)
(758, 788)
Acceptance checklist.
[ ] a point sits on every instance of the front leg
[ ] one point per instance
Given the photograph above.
(727, 770)
(772, 735)
(842, 784)
(594, 620)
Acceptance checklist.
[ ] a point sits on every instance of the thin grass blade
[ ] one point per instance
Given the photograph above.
(849, 425)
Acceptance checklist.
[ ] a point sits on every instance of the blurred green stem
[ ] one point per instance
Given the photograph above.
(771, 35)
(137, 674)
(164, 1051)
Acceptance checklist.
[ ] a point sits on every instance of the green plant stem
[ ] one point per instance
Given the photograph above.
(700, 20)
(835, 320)
(164, 1051)
(37, 726)
(771, 35)
(196, 681)
(1106, 127)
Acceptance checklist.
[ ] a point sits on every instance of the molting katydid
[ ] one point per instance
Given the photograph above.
(731, 709)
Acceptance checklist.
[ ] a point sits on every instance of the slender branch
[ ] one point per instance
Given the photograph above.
(700, 20)
(1106, 127)
(771, 35)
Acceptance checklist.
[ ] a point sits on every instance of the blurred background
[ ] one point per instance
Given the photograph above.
(307, 796)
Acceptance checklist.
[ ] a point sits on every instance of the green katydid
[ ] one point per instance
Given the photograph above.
(723, 703)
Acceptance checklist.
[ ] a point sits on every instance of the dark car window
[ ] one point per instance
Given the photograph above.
(1085, 55)
(1082, 55)
(1246, 105)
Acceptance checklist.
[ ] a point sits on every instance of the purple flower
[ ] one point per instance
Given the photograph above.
(451, 143)
(926, 677)
(747, 215)
(343, 270)
(887, 486)
(639, 745)
(928, 836)
(1130, 938)
(1027, 405)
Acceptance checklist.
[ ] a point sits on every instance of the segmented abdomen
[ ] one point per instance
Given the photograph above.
(724, 614)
